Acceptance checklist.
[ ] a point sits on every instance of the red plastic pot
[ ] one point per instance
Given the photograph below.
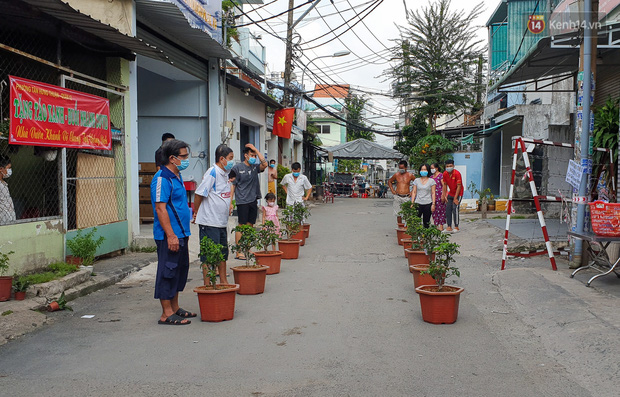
(415, 257)
(439, 307)
(301, 236)
(251, 280)
(6, 284)
(53, 306)
(289, 248)
(306, 229)
(401, 233)
(217, 304)
(420, 279)
(271, 259)
(20, 295)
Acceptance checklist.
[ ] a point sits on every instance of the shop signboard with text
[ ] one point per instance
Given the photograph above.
(47, 115)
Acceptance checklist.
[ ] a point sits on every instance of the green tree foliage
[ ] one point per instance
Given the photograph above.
(281, 196)
(431, 149)
(353, 166)
(412, 133)
(354, 105)
(438, 54)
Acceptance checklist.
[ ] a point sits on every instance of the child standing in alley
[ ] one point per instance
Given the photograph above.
(270, 212)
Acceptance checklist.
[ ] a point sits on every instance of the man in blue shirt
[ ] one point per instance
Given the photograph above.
(171, 231)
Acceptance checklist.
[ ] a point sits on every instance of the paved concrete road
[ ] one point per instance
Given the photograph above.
(343, 320)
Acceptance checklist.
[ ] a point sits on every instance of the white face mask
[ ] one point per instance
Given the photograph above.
(433, 170)
(402, 171)
(9, 172)
(449, 169)
(271, 203)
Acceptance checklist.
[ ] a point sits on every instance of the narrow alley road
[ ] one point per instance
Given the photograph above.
(343, 320)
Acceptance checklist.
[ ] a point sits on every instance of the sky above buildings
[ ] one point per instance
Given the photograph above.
(368, 42)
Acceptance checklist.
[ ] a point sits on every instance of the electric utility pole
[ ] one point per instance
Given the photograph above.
(289, 53)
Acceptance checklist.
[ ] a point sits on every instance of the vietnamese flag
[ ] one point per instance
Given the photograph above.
(283, 122)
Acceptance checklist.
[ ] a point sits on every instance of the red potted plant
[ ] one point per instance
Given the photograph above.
(432, 237)
(440, 302)
(266, 238)
(59, 304)
(292, 223)
(216, 301)
(20, 285)
(6, 282)
(250, 277)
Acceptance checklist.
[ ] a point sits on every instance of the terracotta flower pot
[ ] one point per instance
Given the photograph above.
(53, 306)
(219, 304)
(289, 248)
(301, 236)
(415, 257)
(399, 219)
(420, 279)
(439, 307)
(6, 284)
(407, 244)
(401, 233)
(251, 280)
(401, 225)
(73, 260)
(271, 259)
(20, 295)
(306, 228)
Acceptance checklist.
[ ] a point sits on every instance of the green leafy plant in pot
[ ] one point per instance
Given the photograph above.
(266, 238)
(84, 246)
(251, 277)
(299, 215)
(432, 238)
(6, 282)
(216, 301)
(440, 302)
(289, 245)
(20, 285)
(408, 213)
(59, 304)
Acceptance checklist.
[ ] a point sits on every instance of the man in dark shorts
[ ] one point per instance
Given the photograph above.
(171, 231)
(212, 205)
(246, 189)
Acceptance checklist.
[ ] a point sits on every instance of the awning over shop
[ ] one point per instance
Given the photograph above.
(555, 56)
(64, 12)
(541, 61)
(362, 149)
(166, 16)
(253, 91)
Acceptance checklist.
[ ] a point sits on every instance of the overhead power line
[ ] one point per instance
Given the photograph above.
(274, 16)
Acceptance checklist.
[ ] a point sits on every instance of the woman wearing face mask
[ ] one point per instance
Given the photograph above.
(7, 210)
(423, 194)
(439, 215)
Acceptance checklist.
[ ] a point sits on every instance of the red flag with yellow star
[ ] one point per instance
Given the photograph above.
(283, 122)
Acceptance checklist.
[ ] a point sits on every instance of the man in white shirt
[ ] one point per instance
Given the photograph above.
(212, 204)
(295, 185)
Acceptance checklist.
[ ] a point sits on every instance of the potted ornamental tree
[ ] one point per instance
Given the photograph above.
(6, 282)
(289, 245)
(415, 254)
(305, 226)
(432, 238)
(408, 210)
(299, 214)
(216, 301)
(266, 238)
(440, 302)
(250, 277)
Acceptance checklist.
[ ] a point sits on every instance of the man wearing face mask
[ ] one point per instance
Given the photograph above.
(246, 189)
(452, 195)
(403, 179)
(295, 185)
(171, 231)
(273, 176)
(212, 204)
(7, 210)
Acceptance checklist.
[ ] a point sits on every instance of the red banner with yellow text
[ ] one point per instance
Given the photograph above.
(48, 115)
